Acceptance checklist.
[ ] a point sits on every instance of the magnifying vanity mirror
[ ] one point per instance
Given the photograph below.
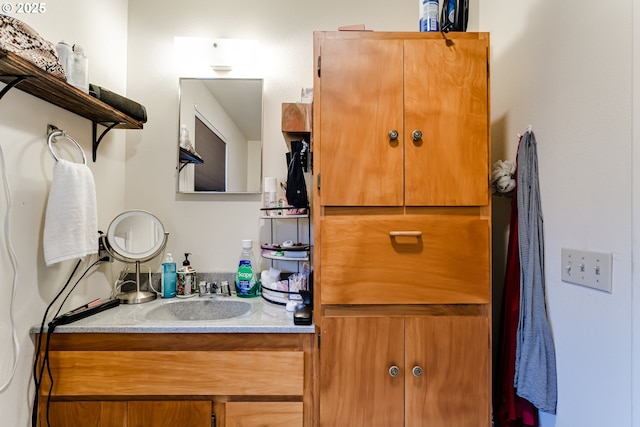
(223, 120)
(135, 236)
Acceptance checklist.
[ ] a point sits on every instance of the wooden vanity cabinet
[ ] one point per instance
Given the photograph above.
(402, 229)
(168, 380)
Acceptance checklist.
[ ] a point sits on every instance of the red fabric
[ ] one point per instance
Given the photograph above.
(512, 410)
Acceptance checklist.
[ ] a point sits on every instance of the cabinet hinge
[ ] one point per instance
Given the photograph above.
(319, 61)
(318, 181)
(213, 420)
(318, 340)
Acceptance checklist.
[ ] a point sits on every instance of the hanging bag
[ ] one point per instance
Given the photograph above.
(296, 185)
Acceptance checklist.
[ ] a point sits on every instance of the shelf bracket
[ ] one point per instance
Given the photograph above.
(97, 139)
(13, 83)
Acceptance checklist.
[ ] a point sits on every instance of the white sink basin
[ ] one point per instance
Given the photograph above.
(199, 309)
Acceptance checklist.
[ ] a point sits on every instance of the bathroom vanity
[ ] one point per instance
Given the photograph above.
(125, 367)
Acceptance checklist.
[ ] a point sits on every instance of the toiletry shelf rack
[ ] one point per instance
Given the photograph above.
(20, 73)
(283, 216)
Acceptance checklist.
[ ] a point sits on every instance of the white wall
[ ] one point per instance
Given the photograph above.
(23, 125)
(566, 69)
(211, 227)
(563, 67)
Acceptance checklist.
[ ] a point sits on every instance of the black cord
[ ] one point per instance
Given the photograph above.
(36, 380)
(51, 327)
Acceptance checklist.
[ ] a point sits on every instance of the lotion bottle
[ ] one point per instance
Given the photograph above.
(169, 277)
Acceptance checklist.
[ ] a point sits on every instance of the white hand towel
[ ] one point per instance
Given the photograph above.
(71, 220)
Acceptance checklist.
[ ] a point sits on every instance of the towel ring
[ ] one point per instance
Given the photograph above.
(57, 133)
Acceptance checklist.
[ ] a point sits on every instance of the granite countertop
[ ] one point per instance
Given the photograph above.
(262, 317)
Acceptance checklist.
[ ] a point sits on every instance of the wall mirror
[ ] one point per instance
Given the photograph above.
(223, 119)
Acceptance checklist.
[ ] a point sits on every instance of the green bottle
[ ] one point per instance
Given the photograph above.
(247, 282)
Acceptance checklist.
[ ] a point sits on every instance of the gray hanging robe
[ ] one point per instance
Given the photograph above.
(535, 370)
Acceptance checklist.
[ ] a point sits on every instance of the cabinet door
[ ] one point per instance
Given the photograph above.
(356, 388)
(170, 414)
(361, 101)
(446, 98)
(453, 389)
(83, 414)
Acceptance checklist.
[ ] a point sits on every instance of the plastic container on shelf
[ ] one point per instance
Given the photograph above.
(65, 52)
(78, 74)
(429, 15)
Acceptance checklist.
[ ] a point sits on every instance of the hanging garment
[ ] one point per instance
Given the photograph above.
(511, 410)
(535, 364)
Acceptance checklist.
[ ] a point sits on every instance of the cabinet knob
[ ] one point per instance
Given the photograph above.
(416, 371)
(417, 135)
(394, 371)
(393, 134)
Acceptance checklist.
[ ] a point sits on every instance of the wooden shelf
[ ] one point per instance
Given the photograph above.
(43, 85)
(296, 117)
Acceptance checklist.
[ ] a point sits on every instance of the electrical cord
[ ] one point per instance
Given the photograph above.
(37, 377)
(150, 282)
(14, 263)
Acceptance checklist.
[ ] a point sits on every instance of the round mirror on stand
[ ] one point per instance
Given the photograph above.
(135, 236)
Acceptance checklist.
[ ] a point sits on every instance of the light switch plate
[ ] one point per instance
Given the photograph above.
(592, 269)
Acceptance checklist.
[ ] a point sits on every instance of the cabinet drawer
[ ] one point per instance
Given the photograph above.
(177, 373)
(411, 259)
(263, 414)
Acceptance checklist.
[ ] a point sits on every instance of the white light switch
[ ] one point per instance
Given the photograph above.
(592, 269)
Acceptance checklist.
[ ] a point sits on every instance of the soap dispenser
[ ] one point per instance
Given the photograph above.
(186, 279)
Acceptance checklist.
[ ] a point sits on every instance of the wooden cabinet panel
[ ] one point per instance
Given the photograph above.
(356, 388)
(83, 414)
(263, 414)
(363, 264)
(453, 389)
(361, 87)
(446, 98)
(124, 373)
(169, 414)
(437, 87)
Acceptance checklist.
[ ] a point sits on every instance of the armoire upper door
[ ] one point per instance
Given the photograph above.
(361, 103)
(446, 99)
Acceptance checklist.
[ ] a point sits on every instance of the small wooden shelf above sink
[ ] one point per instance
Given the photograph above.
(21, 74)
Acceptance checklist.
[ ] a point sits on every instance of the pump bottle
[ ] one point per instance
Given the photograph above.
(187, 285)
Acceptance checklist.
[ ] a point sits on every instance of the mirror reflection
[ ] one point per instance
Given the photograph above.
(135, 235)
(222, 119)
